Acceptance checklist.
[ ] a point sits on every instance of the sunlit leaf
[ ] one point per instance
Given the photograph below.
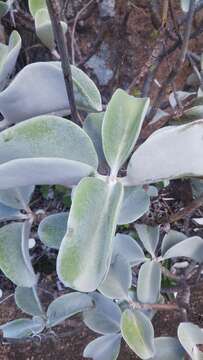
(66, 306)
(36, 5)
(121, 127)
(138, 332)
(91, 227)
(149, 282)
(106, 347)
(52, 229)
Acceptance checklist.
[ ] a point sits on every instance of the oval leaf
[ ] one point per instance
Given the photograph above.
(149, 236)
(27, 300)
(66, 306)
(52, 229)
(168, 348)
(138, 332)
(126, 246)
(191, 247)
(106, 347)
(7, 213)
(22, 328)
(17, 198)
(177, 143)
(91, 226)
(121, 127)
(172, 238)
(190, 335)
(149, 283)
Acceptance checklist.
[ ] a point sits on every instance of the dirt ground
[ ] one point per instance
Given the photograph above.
(130, 37)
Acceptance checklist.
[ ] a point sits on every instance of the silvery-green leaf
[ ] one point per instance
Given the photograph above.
(191, 247)
(197, 187)
(21, 328)
(47, 90)
(168, 348)
(13, 260)
(66, 306)
(17, 198)
(93, 127)
(4, 8)
(152, 191)
(27, 300)
(180, 95)
(42, 171)
(149, 235)
(164, 155)
(138, 332)
(149, 282)
(118, 279)
(35, 5)
(47, 137)
(91, 227)
(105, 316)
(106, 347)
(190, 335)
(126, 246)
(172, 238)
(135, 203)
(52, 229)
(185, 5)
(121, 127)
(8, 57)
(44, 28)
(7, 213)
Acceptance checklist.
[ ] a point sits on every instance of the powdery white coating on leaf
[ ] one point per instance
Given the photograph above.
(138, 332)
(169, 153)
(27, 301)
(8, 213)
(47, 92)
(126, 246)
(106, 347)
(47, 136)
(121, 127)
(190, 335)
(168, 348)
(149, 283)
(91, 227)
(52, 229)
(17, 198)
(149, 235)
(172, 238)
(21, 328)
(191, 247)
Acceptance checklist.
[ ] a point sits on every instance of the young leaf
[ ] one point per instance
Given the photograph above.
(169, 163)
(149, 283)
(66, 306)
(42, 171)
(190, 336)
(13, 260)
(52, 229)
(22, 328)
(8, 57)
(104, 317)
(168, 348)
(121, 127)
(106, 347)
(135, 203)
(191, 247)
(126, 246)
(149, 236)
(138, 332)
(17, 198)
(47, 137)
(118, 279)
(47, 92)
(91, 226)
(172, 238)
(27, 300)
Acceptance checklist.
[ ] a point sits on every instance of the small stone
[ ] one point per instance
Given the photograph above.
(32, 243)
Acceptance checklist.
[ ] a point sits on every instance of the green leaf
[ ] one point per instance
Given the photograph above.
(47, 92)
(106, 347)
(8, 57)
(52, 229)
(164, 155)
(27, 300)
(190, 336)
(17, 198)
(14, 261)
(191, 247)
(135, 203)
(126, 246)
(149, 235)
(91, 226)
(104, 317)
(35, 5)
(149, 283)
(47, 137)
(4, 8)
(118, 279)
(172, 238)
(121, 127)
(168, 348)
(138, 332)
(66, 306)
(22, 328)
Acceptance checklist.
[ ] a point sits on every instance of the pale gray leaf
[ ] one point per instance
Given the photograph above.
(17, 198)
(106, 347)
(168, 348)
(190, 335)
(52, 229)
(126, 246)
(149, 235)
(149, 283)
(27, 300)
(191, 247)
(172, 238)
(22, 328)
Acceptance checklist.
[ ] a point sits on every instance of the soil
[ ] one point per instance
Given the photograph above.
(131, 38)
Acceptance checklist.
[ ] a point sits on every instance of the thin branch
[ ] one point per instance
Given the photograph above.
(63, 50)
